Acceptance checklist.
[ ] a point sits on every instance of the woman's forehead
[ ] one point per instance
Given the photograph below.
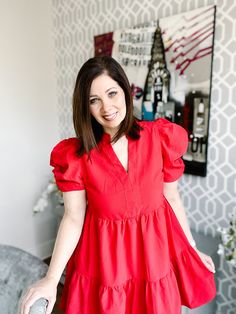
(103, 83)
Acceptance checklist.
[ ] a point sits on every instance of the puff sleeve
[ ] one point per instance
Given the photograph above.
(67, 165)
(174, 143)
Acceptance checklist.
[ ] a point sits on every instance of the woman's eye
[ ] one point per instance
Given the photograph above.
(93, 101)
(112, 94)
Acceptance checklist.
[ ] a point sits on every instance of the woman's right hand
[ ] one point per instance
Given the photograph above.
(45, 288)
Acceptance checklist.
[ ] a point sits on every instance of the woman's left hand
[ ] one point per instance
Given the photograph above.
(207, 260)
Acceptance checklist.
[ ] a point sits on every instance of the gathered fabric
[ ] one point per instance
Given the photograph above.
(133, 256)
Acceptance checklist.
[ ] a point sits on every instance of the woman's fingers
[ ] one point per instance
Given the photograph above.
(24, 301)
(207, 260)
(210, 263)
(26, 306)
(50, 306)
(28, 300)
(45, 288)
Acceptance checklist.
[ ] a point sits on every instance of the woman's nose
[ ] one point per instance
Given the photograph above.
(106, 104)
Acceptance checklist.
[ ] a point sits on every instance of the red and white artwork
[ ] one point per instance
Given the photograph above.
(186, 42)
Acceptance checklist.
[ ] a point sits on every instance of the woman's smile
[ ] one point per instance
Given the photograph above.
(110, 117)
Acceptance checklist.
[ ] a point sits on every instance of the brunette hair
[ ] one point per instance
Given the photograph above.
(87, 129)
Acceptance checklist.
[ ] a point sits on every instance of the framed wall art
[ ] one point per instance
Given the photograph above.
(169, 66)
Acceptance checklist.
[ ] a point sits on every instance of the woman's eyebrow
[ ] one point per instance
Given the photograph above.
(110, 88)
(105, 91)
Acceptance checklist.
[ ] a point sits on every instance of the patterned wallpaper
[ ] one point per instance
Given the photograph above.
(208, 201)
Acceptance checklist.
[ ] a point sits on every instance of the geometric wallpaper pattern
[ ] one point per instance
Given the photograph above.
(208, 200)
(226, 297)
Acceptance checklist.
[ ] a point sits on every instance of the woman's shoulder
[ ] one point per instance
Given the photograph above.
(67, 165)
(165, 130)
(151, 126)
(67, 144)
(144, 124)
(66, 149)
(161, 124)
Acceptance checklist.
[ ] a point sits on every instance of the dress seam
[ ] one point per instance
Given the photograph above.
(128, 218)
(118, 286)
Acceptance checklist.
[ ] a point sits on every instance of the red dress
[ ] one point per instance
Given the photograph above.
(133, 256)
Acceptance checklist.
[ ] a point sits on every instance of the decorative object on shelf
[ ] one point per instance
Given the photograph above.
(43, 202)
(156, 88)
(228, 237)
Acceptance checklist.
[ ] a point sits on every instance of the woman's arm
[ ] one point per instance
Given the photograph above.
(67, 238)
(68, 233)
(171, 193)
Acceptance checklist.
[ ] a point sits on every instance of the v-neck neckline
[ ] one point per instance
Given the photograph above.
(113, 156)
(118, 160)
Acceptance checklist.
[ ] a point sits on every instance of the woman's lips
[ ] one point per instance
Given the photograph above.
(110, 117)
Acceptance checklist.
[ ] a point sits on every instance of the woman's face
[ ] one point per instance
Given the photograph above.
(107, 103)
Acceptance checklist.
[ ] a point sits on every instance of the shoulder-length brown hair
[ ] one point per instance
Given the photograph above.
(86, 127)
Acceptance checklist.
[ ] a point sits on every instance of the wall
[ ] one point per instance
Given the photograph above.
(208, 201)
(28, 123)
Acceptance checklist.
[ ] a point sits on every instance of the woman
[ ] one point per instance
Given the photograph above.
(124, 231)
